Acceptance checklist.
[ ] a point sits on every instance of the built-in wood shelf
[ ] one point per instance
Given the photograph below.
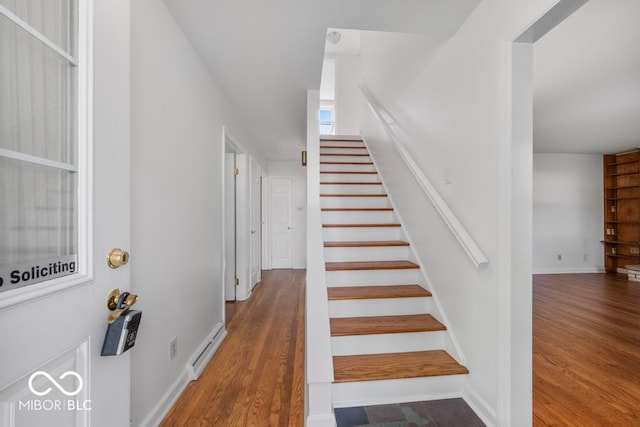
(370, 265)
(376, 292)
(347, 326)
(371, 367)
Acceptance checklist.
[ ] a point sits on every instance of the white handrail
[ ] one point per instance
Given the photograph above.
(469, 245)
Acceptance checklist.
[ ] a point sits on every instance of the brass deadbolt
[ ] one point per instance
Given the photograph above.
(117, 257)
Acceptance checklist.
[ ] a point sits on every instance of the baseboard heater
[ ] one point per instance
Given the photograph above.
(208, 349)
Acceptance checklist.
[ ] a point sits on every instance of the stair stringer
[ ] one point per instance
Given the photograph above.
(451, 343)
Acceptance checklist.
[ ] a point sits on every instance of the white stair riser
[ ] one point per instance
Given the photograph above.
(346, 168)
(352, 189)
(332, 234)
(372, 277)
(354, 202)
(366, 158)
(375, 253)
(379, 307)
(387, 343)
(358, 217)
(354, 150)
(349, 177)
(367, 393)
(342, 143)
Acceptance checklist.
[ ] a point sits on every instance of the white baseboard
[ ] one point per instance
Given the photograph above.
(320, 421)
(479, 406)
(574, 270)
(202, 356)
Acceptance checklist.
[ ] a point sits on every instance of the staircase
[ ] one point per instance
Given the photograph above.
(387, 342)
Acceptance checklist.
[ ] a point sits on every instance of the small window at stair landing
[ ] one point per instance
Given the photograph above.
(327, 120)
(328, 98)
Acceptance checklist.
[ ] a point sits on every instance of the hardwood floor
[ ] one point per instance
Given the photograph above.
(256, 378)
(586, 350)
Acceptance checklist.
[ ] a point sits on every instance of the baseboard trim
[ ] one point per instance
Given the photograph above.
(577, 270)
(479, 406)
(200, 359)
(320, 421)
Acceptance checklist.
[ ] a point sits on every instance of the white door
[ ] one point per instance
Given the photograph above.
(281, 222)
(55, 222)
(256, 229)
(229, 227)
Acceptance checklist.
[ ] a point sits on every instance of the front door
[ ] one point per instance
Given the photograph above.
(64, 201)
(281, 222)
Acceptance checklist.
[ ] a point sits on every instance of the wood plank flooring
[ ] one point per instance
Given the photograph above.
(586, 350)
(256, 378)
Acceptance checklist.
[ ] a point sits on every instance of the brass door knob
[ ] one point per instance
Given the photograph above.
(117, 257)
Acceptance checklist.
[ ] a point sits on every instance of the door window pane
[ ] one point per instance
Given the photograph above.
(52, 18)
(37, 100)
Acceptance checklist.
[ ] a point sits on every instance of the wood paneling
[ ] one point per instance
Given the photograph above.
(370, 265)
(368, 367)
(376, 292)
(256, 378)
(345, 326)
(586, 350)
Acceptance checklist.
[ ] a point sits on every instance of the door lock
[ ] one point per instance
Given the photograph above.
(117, 258)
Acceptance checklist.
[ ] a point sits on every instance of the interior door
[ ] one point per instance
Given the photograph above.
(256, 231)
(281, 222)
(230, 227)
(75, 210)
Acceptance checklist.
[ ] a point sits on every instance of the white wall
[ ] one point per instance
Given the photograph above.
(455, 108)
(178, 112)
(298, 172)
(567, 213)
(347, 94)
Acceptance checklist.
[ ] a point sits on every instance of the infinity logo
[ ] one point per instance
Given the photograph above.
(55, 383)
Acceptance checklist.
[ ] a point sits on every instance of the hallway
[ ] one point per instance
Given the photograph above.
(256, 377)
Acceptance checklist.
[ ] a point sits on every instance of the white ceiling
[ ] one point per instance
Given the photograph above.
(266, 54)
(587, 81)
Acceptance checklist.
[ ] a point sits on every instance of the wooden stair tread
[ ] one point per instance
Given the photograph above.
(345, 154)
(370, 367)
(344, 146)
(353, 172)
(370, 265)
(341, 140)
(355, 209)
(360, 225)
(365, 243)
(351, 183)
(346, 326)
(352, 195)
(347, 163)
(376, 292)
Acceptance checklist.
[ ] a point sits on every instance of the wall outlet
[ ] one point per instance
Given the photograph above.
(173, 348)
(559, 257)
